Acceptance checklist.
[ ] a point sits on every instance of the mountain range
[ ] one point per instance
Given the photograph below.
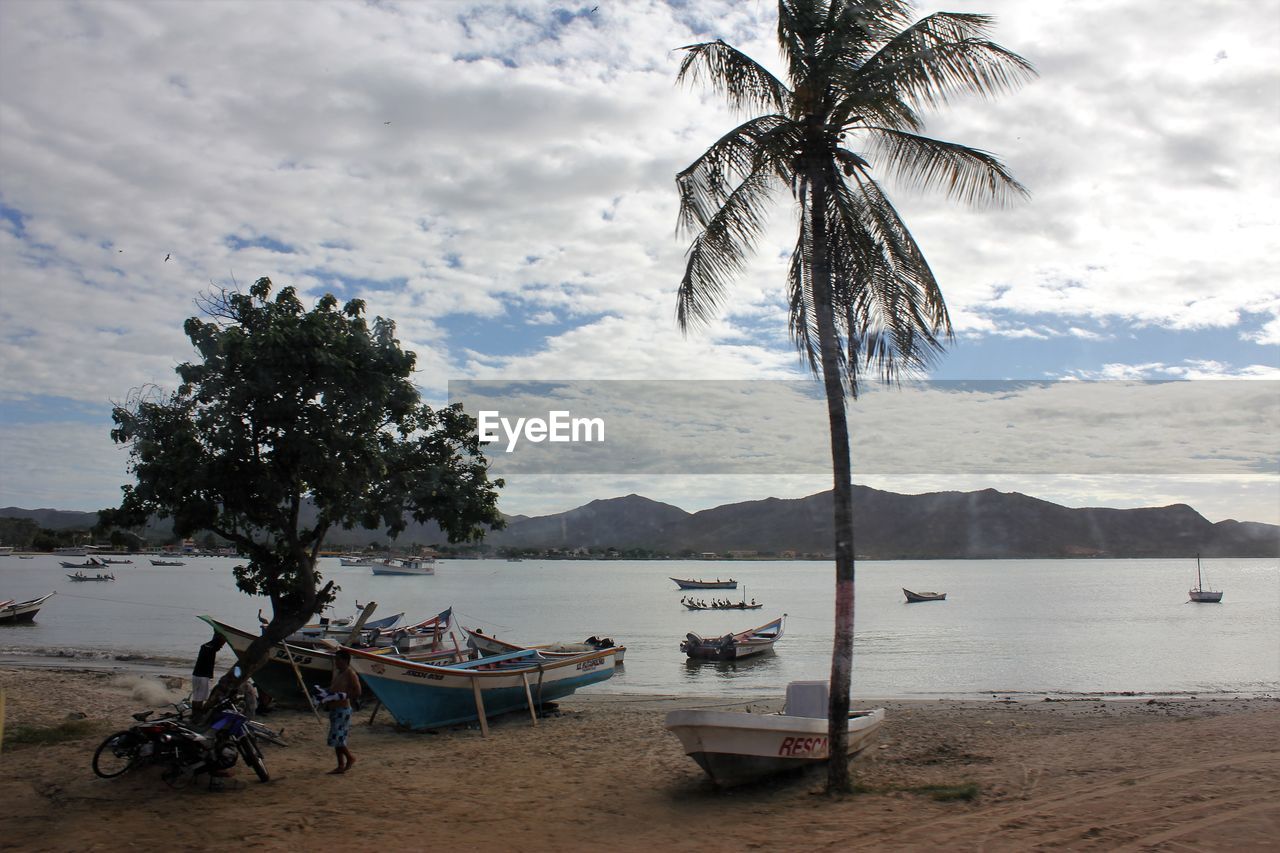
(983, 524)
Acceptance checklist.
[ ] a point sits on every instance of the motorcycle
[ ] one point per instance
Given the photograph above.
(150, 741)
(183, 751)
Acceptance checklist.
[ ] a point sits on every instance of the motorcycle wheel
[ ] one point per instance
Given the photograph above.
(117, 754)
(253, 758)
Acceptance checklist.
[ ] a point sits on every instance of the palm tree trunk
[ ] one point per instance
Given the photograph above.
(842, 491)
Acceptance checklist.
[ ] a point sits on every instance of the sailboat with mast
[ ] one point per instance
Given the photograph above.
(1199, 593)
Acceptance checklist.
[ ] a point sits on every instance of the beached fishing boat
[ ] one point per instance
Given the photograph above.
(421, 696)
(685, 583)
(12, 612)
(167, 563)
(488, 645)
(736, 748)
(314, 662)
(405, 566)
(924, 596)
(1198, 592)
(743, 644)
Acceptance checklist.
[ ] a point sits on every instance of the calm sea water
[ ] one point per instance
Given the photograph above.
(1007, 626)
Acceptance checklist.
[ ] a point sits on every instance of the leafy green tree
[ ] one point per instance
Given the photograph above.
(286, 407)
(862, 297)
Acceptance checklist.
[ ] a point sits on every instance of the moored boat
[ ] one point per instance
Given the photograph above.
(421, 696)
(691, 604)
(167, 563)
(488, 645)
(81, 577)
(405, 566)
(736, 748)
(688, 583)
(743, 644)
(91, 563)
(924, 596)
(1201, 595)
(12, 612)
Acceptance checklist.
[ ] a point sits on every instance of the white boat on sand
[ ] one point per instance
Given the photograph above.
(737, 748)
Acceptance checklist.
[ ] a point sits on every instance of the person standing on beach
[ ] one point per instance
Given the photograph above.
(344, 687)
(202, 672)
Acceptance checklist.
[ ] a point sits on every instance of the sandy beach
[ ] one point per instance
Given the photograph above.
(603, 774)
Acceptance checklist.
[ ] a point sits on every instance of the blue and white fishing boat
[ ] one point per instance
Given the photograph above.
(421, 696)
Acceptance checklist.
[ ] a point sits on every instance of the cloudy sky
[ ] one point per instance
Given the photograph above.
(498, 178)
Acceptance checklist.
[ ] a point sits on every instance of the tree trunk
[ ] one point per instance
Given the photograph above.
(284, 621)
(842, 492)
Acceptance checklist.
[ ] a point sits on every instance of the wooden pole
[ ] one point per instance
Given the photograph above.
(301, 683)
(528, 696)
(484, 724)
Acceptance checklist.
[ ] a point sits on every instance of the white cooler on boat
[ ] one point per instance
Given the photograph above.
(807, 698)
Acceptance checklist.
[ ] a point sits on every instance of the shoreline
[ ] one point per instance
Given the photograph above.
(601, 772)
(103, 661)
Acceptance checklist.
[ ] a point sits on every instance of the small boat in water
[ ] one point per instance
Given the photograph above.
(736, 748)
(167, 563)
(737, 646)
(924, 596)
(691, 604)
(488, 646)
(13, 612)
(1198, 592)
(91, 563)
(81, 577)
(405, 566)
(687, 583)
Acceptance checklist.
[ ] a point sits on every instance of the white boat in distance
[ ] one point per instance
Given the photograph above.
(405, 566)
(736, 748)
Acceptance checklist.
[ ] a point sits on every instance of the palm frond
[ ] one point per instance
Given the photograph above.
(706, 182)
(745, 83)
(720, 252)
(940, 55)
(802, 320)
(892, 306)
(962, 173)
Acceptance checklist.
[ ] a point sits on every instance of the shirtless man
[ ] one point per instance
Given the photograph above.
(347, 685)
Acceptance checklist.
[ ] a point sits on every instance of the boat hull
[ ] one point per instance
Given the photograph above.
(278, 677)
(486, 645)
(696, 584)
(736, 748)
(924, 596)
(424, 697)
(1204, 596)
(22, 611)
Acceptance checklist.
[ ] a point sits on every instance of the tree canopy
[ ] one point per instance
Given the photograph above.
(287, 407)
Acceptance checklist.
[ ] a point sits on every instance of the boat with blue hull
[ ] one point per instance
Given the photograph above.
(422, 696)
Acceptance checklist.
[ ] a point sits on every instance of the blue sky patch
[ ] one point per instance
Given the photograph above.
(261, 242)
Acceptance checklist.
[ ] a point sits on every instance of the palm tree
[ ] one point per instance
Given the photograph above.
(862, 296)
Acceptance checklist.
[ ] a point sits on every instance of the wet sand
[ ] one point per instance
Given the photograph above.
(603, 774)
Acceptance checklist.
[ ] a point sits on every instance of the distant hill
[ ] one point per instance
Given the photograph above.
(887, 525)
(985, 524)
(53, 519)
